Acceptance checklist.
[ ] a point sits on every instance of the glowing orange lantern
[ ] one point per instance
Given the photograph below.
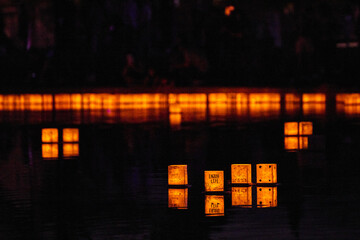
(241, 173)
(214, 205)
(241, 196)
(306, 128)
(71, 150)
(71, 135)
(178, 198)
(266, 173)
(49, 135)
(291, 128)
(214, 181)
(175, 119)
(266, 197)
(50, 151)
(228, 10)
(177, 175)
(291, 143)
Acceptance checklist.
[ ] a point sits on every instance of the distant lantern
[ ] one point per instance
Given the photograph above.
(241, 173)
(266, 173)
(71, 135)
(241, 196)
(291, 143)
(49, 135)
(214, 181)
(50, 150)
(177, 175)
(306, 128)
(175, 120)
(291, 128)
(214, 205)
(71, 150)
(266, 196)
(229, 9)
(178, 198)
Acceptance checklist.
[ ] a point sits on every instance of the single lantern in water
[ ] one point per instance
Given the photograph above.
(266, 196)
(241, 173)
(177, 175)
(266, 173)
(214, 181)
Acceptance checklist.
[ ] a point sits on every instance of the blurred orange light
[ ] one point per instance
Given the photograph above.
(229, 9)
(314, 98)
(241, 196)
(71, 149)
(50, 151)
(214, 181)
(241, 173)
(291, 143)
(266, 197)
(291, 128)
(266, 173)
(177, 175)
(306, 128)
(178, 198)
(49, 135)
(71, 135)
(214, 205)
(175, 119)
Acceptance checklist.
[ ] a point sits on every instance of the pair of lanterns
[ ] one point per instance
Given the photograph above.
(69, 143)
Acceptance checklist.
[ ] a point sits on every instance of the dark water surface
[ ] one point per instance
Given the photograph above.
(117, 186)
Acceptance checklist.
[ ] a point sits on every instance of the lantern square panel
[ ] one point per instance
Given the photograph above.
(50, 150)
(178, 198)
(214, 205)
(71, 149)
(241, 196)
(214, 181)
(49, 135)
(71, 135)
(291, 143)
(306, 128)
(266, 197)
(177, 175)
(266, 173)
(241, 173)
(291, 128)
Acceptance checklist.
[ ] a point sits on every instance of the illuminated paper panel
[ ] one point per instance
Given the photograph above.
(214, 205)
(177, 175)
(314, 98)
(50, 150)
(178, 198)
(291, 143)
(214, 181)
(241, 173)
(241, 196)
(266, 173)
(306, 128)
(266, 197)
(49, 135)
(71, 150)
(71, 135)
(291, 128)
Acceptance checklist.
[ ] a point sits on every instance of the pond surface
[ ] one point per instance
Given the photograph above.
(102, 172)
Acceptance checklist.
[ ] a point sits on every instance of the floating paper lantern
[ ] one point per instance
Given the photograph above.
(266, 173)
(306, 128)
(291, 143)
(241, 196)
(49, 135)
(177, 175)
(178, 198)
(291, 128)
(50, 150)
(71, 150)
(214, 205)
(214, 181)
(241, 173)
(266, 196)
(71, 135)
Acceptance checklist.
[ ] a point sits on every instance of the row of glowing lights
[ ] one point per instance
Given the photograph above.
(77, 101)
(50, 143)
(214, 182)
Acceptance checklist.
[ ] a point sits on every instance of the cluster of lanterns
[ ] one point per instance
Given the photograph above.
(242, 187)
(54, 147)
(296, 135)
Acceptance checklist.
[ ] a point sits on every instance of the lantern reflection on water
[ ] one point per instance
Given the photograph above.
(177, 175)
(71, 150)
(214, 181)
(266, 197)
(291, 143)
(214, 205)
(266, 173)
(241, 173)
(178, 198)
(241, 196)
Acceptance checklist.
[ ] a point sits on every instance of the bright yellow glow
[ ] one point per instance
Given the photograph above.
(214, 205)
(178, 198)
(291, 143)
(291, 128)
(241, 196)
(71, 149)
(177, 175)
(175, 119)
(314, 98)
(50, 150)
(229, 9)
(314, 108)
(241, 173)
(214, 181)
(306, 128)
(49, 135)
(264, 98)
(266, 197)
(266, 173)
(71, 135)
